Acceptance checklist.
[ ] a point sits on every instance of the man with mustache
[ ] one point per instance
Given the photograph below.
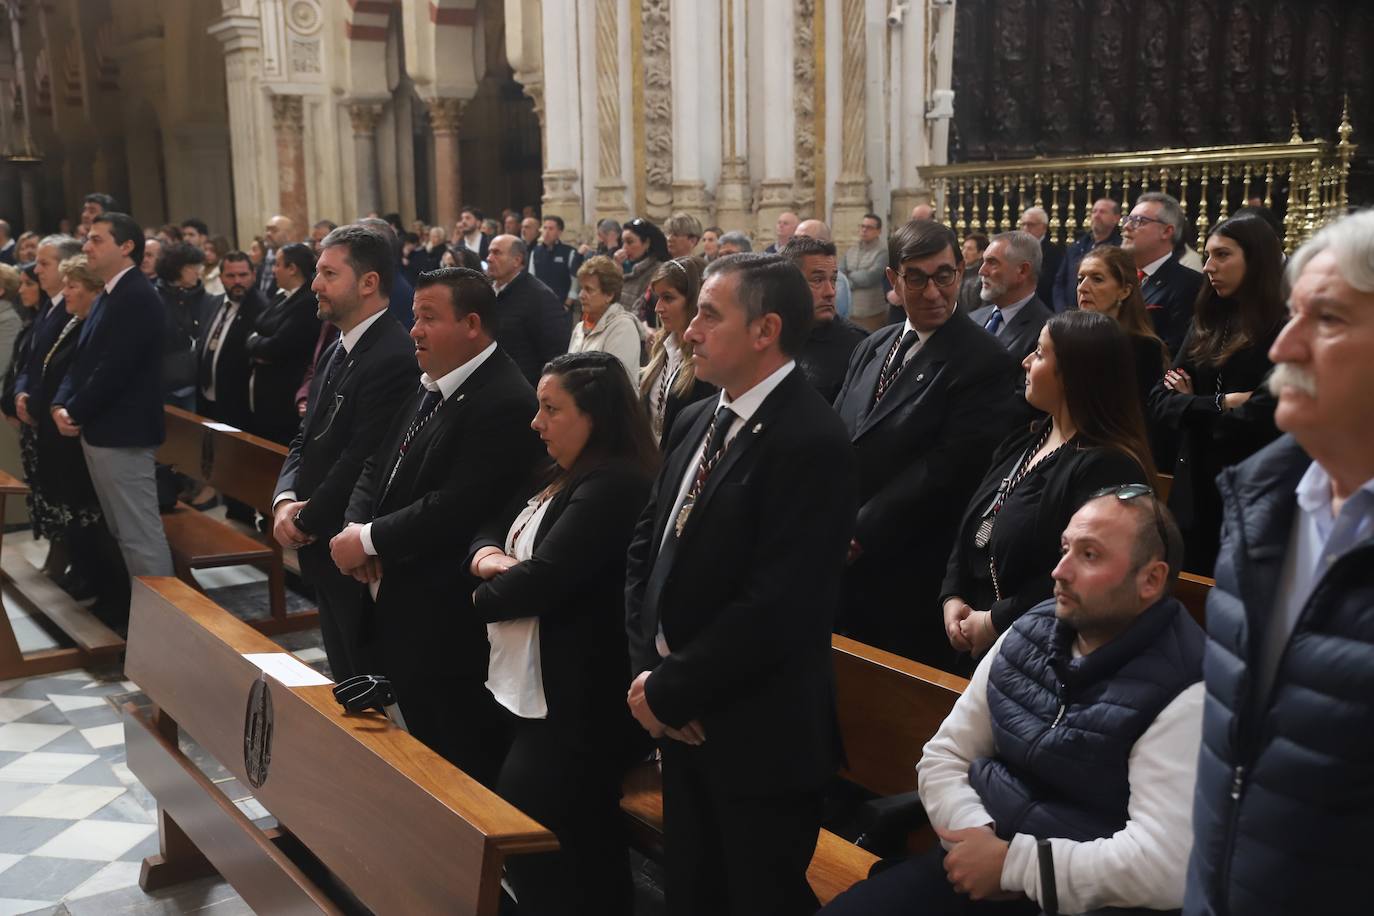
(1285, 800)
(1080, 726)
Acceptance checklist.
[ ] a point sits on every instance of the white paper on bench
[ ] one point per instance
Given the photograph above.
(286, 668)
(222, 427)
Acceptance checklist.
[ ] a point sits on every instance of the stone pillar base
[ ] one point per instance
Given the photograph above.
(610, 203)
(903, 199)
(692, 197)
(561, 199)
(851, 203)
(776, 195)
(734, 197)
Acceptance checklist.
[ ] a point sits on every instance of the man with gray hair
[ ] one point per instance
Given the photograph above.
(531, 324)
(734, 242)
(1151, 234)
(52, 251)
(1013, 312)
(1037, 222)
(1283, 808)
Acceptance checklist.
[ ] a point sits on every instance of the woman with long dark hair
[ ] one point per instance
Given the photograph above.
(1093, 436)
(644, 247)
(1214, 396)
(669, 383)
(553, 598)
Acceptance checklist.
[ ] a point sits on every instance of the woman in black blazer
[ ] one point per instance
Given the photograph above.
(63, 477)
(1081, 375)
(669, 383)
(553, 598)
(282, 345)
(1214, 398)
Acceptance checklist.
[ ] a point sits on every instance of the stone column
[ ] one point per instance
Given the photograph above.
(444, 116)
(241, 36)
(734, 195)
(610, 187)
(851, 188)
(288, 123)
(777, 191)
(364, 117)
(658, 109)
(28, 196)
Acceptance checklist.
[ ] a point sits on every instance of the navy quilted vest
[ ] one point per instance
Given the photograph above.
(1064, 726)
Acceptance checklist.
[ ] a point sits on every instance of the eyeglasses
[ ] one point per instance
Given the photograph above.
(917, 279)
(1128, 491)
(1135, 221)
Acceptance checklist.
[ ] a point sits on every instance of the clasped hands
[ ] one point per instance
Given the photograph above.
(692, 733)
(65, 426)
(968, 630)
(974, 862)
(346, 550)
(1179, 380)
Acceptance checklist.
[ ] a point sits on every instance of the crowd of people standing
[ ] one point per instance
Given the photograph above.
(581, 503)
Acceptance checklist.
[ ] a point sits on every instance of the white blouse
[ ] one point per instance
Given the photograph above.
(658, 394)
(514, 675)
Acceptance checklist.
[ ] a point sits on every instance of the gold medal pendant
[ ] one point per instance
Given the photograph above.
(682, 515)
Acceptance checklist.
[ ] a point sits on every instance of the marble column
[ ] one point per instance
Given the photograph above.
(777, 191)
(288, 123)
(611, 202)
(851, 188)
(242, 40)
(364, 117)
(734, 194)
(444, 117)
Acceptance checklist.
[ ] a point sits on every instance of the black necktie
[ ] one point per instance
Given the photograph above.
(892, 366)
(338, 359)
(429, 405)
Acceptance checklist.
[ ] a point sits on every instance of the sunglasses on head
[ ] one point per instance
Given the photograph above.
(1128, 491)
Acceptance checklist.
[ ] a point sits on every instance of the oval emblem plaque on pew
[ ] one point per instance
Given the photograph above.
(257, 733)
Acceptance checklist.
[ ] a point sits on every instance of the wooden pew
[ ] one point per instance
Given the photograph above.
(399, 827)
(889, 707)
(242, 466)
(94, 641)
(1193, 590)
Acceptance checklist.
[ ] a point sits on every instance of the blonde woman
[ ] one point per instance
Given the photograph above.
(669, 382)
(605, 325)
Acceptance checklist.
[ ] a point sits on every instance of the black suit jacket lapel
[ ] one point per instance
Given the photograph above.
(686, 455)
(866, 383)
(911, 383)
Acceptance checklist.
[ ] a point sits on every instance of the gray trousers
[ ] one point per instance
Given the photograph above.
(126, 485)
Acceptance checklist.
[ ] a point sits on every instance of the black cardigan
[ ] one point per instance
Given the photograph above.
(575, 584)
(1025, 540)
(1209, 441)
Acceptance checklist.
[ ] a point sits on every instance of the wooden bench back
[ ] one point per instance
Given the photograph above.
(1193, 590)
(403, 828)
(236, 463)
(889, 707)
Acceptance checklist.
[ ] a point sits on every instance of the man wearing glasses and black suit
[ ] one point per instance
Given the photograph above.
(1151, 233)
(926, 402)
(359, 382)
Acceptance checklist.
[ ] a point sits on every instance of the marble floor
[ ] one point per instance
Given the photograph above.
(75, 823)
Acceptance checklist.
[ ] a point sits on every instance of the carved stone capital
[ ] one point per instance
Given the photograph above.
(693, 198)
(288, 114)
(444, 115)
(364, 117)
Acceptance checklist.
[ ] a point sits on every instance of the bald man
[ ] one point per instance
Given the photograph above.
(815, 229)
(786, 227)
(280, 230)
(923, 211)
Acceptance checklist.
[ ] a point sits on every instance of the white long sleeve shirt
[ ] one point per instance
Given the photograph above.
(1142, 865)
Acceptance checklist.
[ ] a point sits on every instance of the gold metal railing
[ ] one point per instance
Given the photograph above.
(1302, 181)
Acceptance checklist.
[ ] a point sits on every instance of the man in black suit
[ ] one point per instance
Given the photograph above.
(220, 344)
(468, 233)
(824, 357)
(112, 395)
(361, 378)
(925, 402)
(457, 451)
(1013, 312)
(531, 323)
(52, 251)
(733, 578)
(1151, 234)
